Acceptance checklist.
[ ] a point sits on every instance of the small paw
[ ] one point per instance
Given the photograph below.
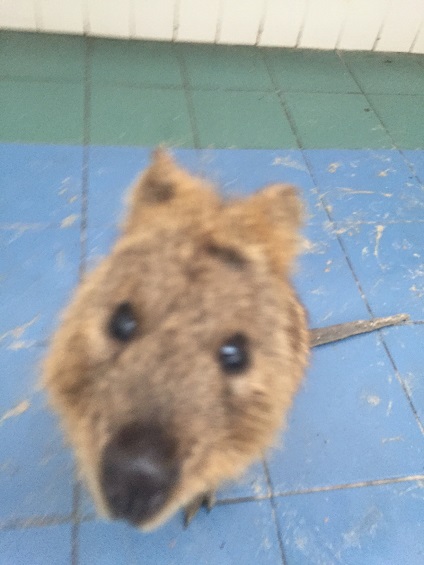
(206, 500)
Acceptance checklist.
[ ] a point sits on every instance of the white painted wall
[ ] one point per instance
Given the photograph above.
(381, 25)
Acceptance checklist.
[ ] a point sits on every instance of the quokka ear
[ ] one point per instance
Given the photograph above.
(272, 218)
(157, 184)
(281, 204)
(166, 188)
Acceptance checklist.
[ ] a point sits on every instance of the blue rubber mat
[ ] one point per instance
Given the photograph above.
(345, 483)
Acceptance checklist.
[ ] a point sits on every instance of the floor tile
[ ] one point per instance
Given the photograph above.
(111, 173)
(36, 546)
(241, 119)
(374, 525)
(39, 184)
(225, 66)
(324, 281)
(231, 533)
(121, 115)
(21, 371)
(350, 423)
(388, 261)
(386, 73)
(36, 471)
(403, 117)
(239, 173)
(367, 185)
(404, 344)
(336, 121)
(41, 56)
(296, 70)
(416, 160)
(38, 270)
(134, 62)
(41, 112)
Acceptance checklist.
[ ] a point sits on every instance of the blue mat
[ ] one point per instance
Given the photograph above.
(345, 484)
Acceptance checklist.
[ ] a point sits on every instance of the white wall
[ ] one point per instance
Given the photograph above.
(382, 25)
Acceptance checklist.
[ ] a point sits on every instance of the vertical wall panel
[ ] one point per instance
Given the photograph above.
(240, 21)
(282, 23)
(384, 25)
(197, 21)
(323, 23)
(17, 14)
(401, 25)
(61, 16)
(108, 17)
(154, 19)
(364, 20)
(418, 46)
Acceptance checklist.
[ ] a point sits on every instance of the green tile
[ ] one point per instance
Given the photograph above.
(134, 62)
(123, 115)
(241, 119)
(49, 112)
(403, 117)
(223, 66)
(387, 73)
(336, 121)
(41, 56)
(309, 71)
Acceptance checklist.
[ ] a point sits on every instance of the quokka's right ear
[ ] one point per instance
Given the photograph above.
(166, 188)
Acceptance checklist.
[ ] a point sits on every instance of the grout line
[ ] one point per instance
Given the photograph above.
(189, 97)
(75, 522)
(403, 385)
(283, 104)
(340, 240)
(365, 300)
(361, 484)
(274, 513)
(160, 86)
(338, 236)
(386, 129)
(362, 91)
(86, 158)
(44, 521)
(35, 522)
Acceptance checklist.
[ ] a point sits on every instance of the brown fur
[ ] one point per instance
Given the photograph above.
(196, 270)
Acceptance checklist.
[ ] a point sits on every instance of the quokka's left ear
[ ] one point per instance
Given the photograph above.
(272, 218)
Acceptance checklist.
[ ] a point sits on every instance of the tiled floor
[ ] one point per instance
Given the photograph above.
(345, 485)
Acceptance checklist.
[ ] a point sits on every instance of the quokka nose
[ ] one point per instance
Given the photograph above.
(138, 472)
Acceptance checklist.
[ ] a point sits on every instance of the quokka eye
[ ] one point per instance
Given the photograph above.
(123, 323)
(233, 354)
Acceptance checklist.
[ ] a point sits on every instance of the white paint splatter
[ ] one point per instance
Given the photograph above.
(379, 232)
(332, 167)
(373, 400)
(16, 411)
(18, 332)
(289, 162)
(353, 191)
(69, 221)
